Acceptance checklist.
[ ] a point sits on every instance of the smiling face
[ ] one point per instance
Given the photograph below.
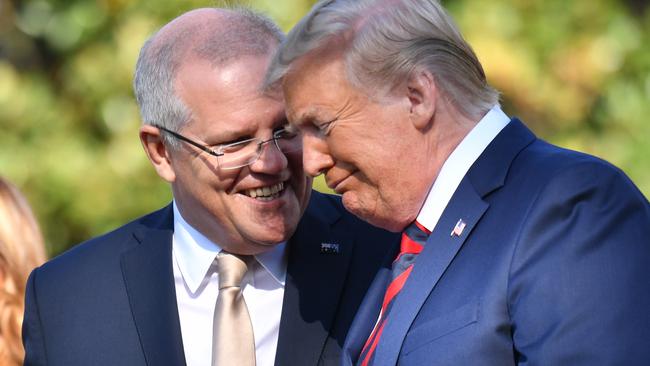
(249, 209)
(369, 149)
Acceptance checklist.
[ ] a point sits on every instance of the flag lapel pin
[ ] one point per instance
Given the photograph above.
(329, 248)
(458, 229)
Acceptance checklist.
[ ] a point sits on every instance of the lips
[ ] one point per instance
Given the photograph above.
(265, 193)
(337, 183)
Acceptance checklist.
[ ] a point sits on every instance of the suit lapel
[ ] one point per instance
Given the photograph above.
(367, 315)
(438, 253)
(149, 279)
(486, 175)
(313, 286)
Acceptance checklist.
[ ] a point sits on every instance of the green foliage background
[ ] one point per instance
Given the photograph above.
(577, 72)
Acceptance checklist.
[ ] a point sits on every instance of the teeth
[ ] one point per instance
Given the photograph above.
(266, 193)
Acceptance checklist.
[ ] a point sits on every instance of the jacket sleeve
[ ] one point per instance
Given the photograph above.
(579, 283)
(33, 340)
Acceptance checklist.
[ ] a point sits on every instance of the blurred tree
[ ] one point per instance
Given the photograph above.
(577, 72)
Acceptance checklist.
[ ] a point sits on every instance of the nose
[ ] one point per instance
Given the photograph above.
(316, 158)
(271, 160)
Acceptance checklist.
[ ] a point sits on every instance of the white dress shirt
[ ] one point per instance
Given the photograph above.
(196, 282)
(458, 163)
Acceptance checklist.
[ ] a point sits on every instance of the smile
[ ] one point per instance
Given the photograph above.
(338, 184)
(266, 193)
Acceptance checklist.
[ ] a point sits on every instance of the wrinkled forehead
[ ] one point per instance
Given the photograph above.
(316, 89)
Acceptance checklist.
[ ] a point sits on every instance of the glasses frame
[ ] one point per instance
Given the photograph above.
(213, 152)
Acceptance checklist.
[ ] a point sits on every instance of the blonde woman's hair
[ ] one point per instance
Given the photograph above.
(21, 250)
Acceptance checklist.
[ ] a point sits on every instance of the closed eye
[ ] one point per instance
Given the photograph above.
(284, 134)
(326, 128)
(233, 146)
(284, 127)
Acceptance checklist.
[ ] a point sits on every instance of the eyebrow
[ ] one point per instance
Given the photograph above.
(309, 116)
(300, 120)
(281, 117)
(224, 136)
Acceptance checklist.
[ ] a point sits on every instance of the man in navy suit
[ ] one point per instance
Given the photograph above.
(528, 254)
(145, 293)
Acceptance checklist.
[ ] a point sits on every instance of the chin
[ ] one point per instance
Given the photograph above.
(382, 217)
(386, 223)
(254, 247)
(263, 245)
(276, 233)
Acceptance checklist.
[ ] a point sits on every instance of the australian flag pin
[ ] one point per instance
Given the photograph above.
(329, 248)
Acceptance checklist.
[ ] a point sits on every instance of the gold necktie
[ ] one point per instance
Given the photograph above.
(233, 342)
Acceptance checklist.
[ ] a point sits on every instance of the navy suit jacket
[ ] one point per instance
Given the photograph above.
(552, 268)
(111, 301)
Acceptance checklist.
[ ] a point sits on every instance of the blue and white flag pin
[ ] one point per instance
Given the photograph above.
(458, 229)
(329, 248)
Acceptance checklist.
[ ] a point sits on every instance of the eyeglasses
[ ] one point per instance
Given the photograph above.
(242, 153)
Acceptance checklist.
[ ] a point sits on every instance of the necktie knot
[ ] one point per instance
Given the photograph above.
(413, 239)
(417, 232)
(232, 268)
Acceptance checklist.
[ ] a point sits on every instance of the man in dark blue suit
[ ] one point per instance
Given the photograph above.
(145, 293)
(514, 252)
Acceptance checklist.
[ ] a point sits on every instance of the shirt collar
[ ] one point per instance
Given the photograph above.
(194, 254)
(274, 262)
(458, 163)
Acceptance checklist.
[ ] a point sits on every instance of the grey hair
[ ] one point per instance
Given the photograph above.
(384, 42)
(243, 32)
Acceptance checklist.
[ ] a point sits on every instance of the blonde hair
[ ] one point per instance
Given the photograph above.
(21, 250)
(385, 41)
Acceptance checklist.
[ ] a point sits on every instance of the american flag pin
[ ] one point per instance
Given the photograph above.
(329, 248)
(458, 229)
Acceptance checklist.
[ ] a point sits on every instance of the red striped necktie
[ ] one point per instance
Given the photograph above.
(413, 239)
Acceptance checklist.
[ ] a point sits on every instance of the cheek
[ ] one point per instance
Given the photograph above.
(221, 181)
(368, 148)
(215, 194)
(378, 193)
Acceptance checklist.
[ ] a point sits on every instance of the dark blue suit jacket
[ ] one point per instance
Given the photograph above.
(111, 301)
(553, 268)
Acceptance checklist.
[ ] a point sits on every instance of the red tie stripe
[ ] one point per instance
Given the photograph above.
(408, 246)
(413, 239)
(395, 287)
(373, 345)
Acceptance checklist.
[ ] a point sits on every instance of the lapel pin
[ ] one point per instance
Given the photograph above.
(329, 248)
(458, 229)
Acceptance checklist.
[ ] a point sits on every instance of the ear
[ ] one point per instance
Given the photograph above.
(422, 94)
(157, 152)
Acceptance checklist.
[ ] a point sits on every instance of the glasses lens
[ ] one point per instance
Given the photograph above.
(239, 154)
(288, 141)
(247, 152)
